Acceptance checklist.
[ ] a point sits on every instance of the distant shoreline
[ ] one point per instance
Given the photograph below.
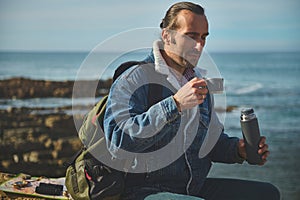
(24, 88)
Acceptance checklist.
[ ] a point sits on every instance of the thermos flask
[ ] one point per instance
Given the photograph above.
(251, 134)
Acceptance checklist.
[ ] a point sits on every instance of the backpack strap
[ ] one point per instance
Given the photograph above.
(157, 82)
(154, 89)
(124, 66)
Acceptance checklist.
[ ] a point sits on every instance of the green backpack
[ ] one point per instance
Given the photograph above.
(87, 177)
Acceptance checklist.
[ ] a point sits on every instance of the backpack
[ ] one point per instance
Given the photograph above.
(86, 176)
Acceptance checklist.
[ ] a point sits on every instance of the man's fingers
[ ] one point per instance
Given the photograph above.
(265, 155)
(200, 87)
(262, 141)
(198, 83)
(241, 143)
(201, 96)
(263, 149)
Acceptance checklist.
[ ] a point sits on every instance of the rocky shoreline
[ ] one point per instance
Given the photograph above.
(22, 88)
(37, 142)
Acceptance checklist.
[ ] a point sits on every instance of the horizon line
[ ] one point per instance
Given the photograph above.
(88, 51)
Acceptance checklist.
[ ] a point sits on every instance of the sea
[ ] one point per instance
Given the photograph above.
(269, 82)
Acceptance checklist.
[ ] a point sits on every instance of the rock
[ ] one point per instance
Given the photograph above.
(33, 157)
(231, 108)
(19, 88)
(35, 143)
(51, 120)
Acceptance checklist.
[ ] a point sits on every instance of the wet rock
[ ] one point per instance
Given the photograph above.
(231, 108)
(20, 88)
(36, 144)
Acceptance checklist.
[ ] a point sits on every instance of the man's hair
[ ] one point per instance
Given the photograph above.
(170, 19)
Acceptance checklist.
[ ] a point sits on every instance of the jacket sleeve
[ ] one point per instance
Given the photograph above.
(128, 123)
(226, 150)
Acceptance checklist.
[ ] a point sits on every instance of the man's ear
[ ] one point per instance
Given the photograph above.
(166, 36)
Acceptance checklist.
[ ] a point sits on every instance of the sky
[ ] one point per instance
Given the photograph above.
(80, 25)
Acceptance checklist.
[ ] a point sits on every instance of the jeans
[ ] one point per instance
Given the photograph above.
(213, 188)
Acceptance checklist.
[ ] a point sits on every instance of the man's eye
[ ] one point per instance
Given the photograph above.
(194, 37)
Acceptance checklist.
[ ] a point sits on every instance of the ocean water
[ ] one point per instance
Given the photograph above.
(268, 82)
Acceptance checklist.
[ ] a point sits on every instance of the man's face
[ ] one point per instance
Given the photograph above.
(188, 40)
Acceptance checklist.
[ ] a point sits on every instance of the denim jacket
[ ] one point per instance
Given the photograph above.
(130, 124)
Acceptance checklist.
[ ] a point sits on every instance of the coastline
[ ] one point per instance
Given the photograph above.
(37, 144)
(251, 79)
(23, 88)
(39, 140)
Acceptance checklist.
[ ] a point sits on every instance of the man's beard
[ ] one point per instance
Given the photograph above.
(182, 61)
(191, 58)
(185, 63)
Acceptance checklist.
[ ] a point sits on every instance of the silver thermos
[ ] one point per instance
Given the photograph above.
(251, 134)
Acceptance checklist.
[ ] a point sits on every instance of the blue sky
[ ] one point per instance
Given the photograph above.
(79, 25)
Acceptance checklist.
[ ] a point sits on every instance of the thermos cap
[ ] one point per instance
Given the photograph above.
(247, 111)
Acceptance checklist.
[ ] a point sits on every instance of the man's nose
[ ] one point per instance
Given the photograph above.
(199, 45)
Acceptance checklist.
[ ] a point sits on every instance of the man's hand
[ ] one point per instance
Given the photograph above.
(263, 149)
(191, 94)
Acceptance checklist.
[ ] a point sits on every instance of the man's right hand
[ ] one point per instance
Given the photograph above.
(191, 94)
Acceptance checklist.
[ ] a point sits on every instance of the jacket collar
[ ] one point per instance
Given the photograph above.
(160, 63)
(162, 67)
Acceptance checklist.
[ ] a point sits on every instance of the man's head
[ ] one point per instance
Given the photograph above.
(184, 31)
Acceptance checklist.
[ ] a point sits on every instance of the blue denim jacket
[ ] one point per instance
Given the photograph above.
(129, 125)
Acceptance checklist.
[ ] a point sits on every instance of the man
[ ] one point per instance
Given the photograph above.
(180, 118)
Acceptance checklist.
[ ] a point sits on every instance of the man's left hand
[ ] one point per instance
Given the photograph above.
(263, 149)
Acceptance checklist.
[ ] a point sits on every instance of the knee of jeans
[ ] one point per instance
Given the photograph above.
(272, 191)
